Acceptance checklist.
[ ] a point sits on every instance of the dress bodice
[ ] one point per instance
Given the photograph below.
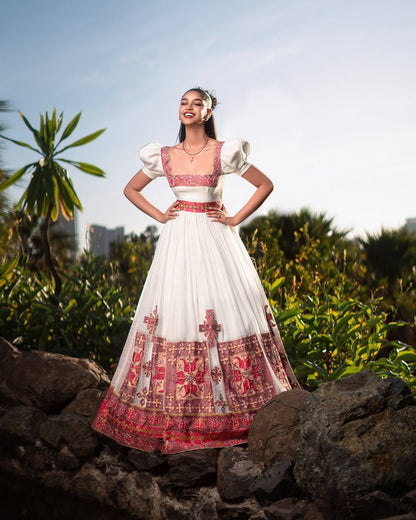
(195, 188)
(229, 156)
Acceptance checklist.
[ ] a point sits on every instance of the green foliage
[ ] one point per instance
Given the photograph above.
(321, 288)
(90, 318)
(390, 255)
(329, 337)
(306, 262)
(133, 257)
(390, 259)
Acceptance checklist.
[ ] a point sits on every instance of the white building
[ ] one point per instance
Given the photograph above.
(410, 225)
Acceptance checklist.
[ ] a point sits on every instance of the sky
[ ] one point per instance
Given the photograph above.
(324, 91)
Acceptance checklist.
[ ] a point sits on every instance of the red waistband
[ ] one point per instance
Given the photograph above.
(198, 207)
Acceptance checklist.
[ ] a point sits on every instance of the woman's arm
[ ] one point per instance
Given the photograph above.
(133, 192)
(264, 187)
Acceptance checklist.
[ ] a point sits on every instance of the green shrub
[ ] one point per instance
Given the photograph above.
(331, 337)
(90, 317)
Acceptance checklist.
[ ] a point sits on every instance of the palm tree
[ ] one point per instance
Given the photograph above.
(5, 204)
(390, 255)
(50, 189)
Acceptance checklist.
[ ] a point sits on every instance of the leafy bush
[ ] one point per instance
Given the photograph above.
(329, 338)
(318, 265)
(90, 318)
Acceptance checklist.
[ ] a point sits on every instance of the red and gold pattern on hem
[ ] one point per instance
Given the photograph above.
(151, 430)
(183, 402)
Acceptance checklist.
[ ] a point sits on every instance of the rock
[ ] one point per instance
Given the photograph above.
(375, 505)
(240, 477)
(86, 403)
(406, 516)
(45, 380)
(201, 506)
(21, 424)
(191, 469)
(38, 457)
(66, 460)
(132, 493)
(73, 430)
(320, 509)
(247, 509)
(409, 501)
(342, 441)
(275, 482)
(90, 483)
(7, 353)
(236, 472)
(112, 459)
(335, 505)
(274, 433)
(286, 509)
(51, 431)
(81, 439)
(144, 461)
(357, 434)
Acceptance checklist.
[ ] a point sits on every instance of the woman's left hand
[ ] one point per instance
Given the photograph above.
(220, 215)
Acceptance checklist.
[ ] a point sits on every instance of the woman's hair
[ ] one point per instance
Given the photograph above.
(210, 124)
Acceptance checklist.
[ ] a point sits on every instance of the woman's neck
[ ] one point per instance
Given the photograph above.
(195, 136)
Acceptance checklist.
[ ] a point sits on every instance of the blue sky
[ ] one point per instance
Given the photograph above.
(322, 89)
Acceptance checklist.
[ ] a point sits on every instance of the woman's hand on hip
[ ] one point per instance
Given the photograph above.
(170, 213)
(220, 215)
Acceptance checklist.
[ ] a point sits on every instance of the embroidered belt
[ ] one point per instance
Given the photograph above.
(198, 207)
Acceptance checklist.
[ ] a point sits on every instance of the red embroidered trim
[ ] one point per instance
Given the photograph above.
(129, 386)
(177, 408)
(149, 430)
(198, 207)
(210, 179)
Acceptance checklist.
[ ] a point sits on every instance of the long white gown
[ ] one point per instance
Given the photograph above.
(203, 353)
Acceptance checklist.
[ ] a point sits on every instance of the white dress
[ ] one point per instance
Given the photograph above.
(203, 353)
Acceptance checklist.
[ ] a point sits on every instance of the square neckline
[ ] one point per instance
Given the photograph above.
(167, 167)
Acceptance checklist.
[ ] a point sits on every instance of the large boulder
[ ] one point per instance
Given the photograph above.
(275, 431)
(44, 380)
(358, 435)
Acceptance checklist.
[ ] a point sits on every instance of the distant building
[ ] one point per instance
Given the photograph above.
(410, 225)
(101, 239)
(65, 232)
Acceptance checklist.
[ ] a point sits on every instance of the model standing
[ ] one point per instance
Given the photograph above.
(203, 353)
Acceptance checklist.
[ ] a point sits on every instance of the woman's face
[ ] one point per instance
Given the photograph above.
(193, 109)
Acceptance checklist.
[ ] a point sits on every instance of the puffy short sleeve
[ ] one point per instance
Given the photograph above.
(152, 160)
(234, 155)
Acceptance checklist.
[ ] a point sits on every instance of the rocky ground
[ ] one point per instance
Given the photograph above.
(346, 451)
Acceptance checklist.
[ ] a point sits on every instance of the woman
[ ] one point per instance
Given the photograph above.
(203, 353)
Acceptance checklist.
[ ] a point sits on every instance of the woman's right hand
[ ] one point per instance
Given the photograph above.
(171, 213)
